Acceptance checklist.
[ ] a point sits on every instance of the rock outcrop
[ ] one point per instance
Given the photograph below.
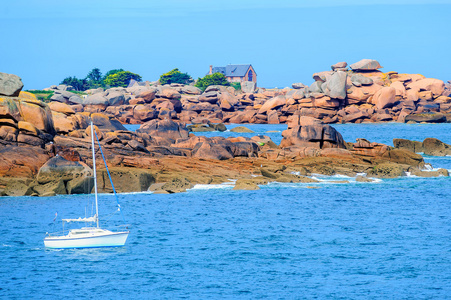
(309, 132)
(10, 85)
(429, 146)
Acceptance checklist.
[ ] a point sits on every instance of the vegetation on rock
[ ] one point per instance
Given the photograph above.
(44, 96)
(236, 85)
(213, 79)
(95, 79)
(121, 79)
(175, 76)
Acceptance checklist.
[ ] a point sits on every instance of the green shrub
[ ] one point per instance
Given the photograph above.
(111, 72)
(121, 79)
(213, 79)
(44, 96)
(175, 76)
(236, 85)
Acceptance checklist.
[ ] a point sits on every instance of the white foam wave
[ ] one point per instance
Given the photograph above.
(225, 185)
(427, 167)
(135, 193)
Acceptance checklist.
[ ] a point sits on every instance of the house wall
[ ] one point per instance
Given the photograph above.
(241, 79)
(235, 79)
(254, 75)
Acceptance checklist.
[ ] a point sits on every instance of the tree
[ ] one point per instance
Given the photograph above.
(95, 76)
(111, 72)
(77, 84)
(213, 79)
(175, 76)
(121, 79)
(94, 79)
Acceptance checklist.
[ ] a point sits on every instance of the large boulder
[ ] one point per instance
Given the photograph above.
(209, 150)
(61, 108)
(227, 102)
(413, 146)
(339, 66)
(168, 93)
(144, 112)
(298, 85)
(75, 99)
(64, 96)
(426, 118)
(404, 156)
(359, 80)
(210, 97)
(125, 180)
(400, 89)
(241, 129)
(51, 188)
(190, 90)
(385, 98)
(57, 168)
(177, 185)
(10, 84)
(435, 147)
(115, 98)
(316, 87)
(164, 128)
(246, 184)
(148, 95)
(312, 133)
(37, 113)
(104, 122)
(82, 185)
(18, 188)
(337, 85)
(436, 86)
(248, 86)
(98, 100)
(326, 102)
(21, 161)
(63, 123)
(386, 170)
(273, 103)
(9, 109)
(245, 149)
(322, 76)
(366, 65)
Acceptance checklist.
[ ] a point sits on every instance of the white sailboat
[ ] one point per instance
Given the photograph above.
(88, 237)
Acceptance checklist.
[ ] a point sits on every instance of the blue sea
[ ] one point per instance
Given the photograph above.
(389, 239)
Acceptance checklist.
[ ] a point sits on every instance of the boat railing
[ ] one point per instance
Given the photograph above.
(125, 226)
(54, 233)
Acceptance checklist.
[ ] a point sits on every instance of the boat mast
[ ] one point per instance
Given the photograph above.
(95, 173)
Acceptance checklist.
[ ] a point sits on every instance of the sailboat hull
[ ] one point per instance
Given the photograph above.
(89, 240)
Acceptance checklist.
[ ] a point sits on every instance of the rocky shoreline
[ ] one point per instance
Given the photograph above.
(45, 148)
(360, 93)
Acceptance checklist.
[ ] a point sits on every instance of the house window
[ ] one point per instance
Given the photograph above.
(249, 75)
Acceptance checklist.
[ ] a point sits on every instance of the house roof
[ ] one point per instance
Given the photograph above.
(218, 70)
(232, 70)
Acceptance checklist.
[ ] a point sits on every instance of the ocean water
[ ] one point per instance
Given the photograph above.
(389, 239)
(374, 132)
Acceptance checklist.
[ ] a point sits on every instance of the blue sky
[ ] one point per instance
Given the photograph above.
(286, 41)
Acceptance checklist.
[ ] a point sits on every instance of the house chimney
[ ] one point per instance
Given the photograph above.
(211, 69)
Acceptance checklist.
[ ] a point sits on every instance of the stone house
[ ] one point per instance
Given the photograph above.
(236, 73)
